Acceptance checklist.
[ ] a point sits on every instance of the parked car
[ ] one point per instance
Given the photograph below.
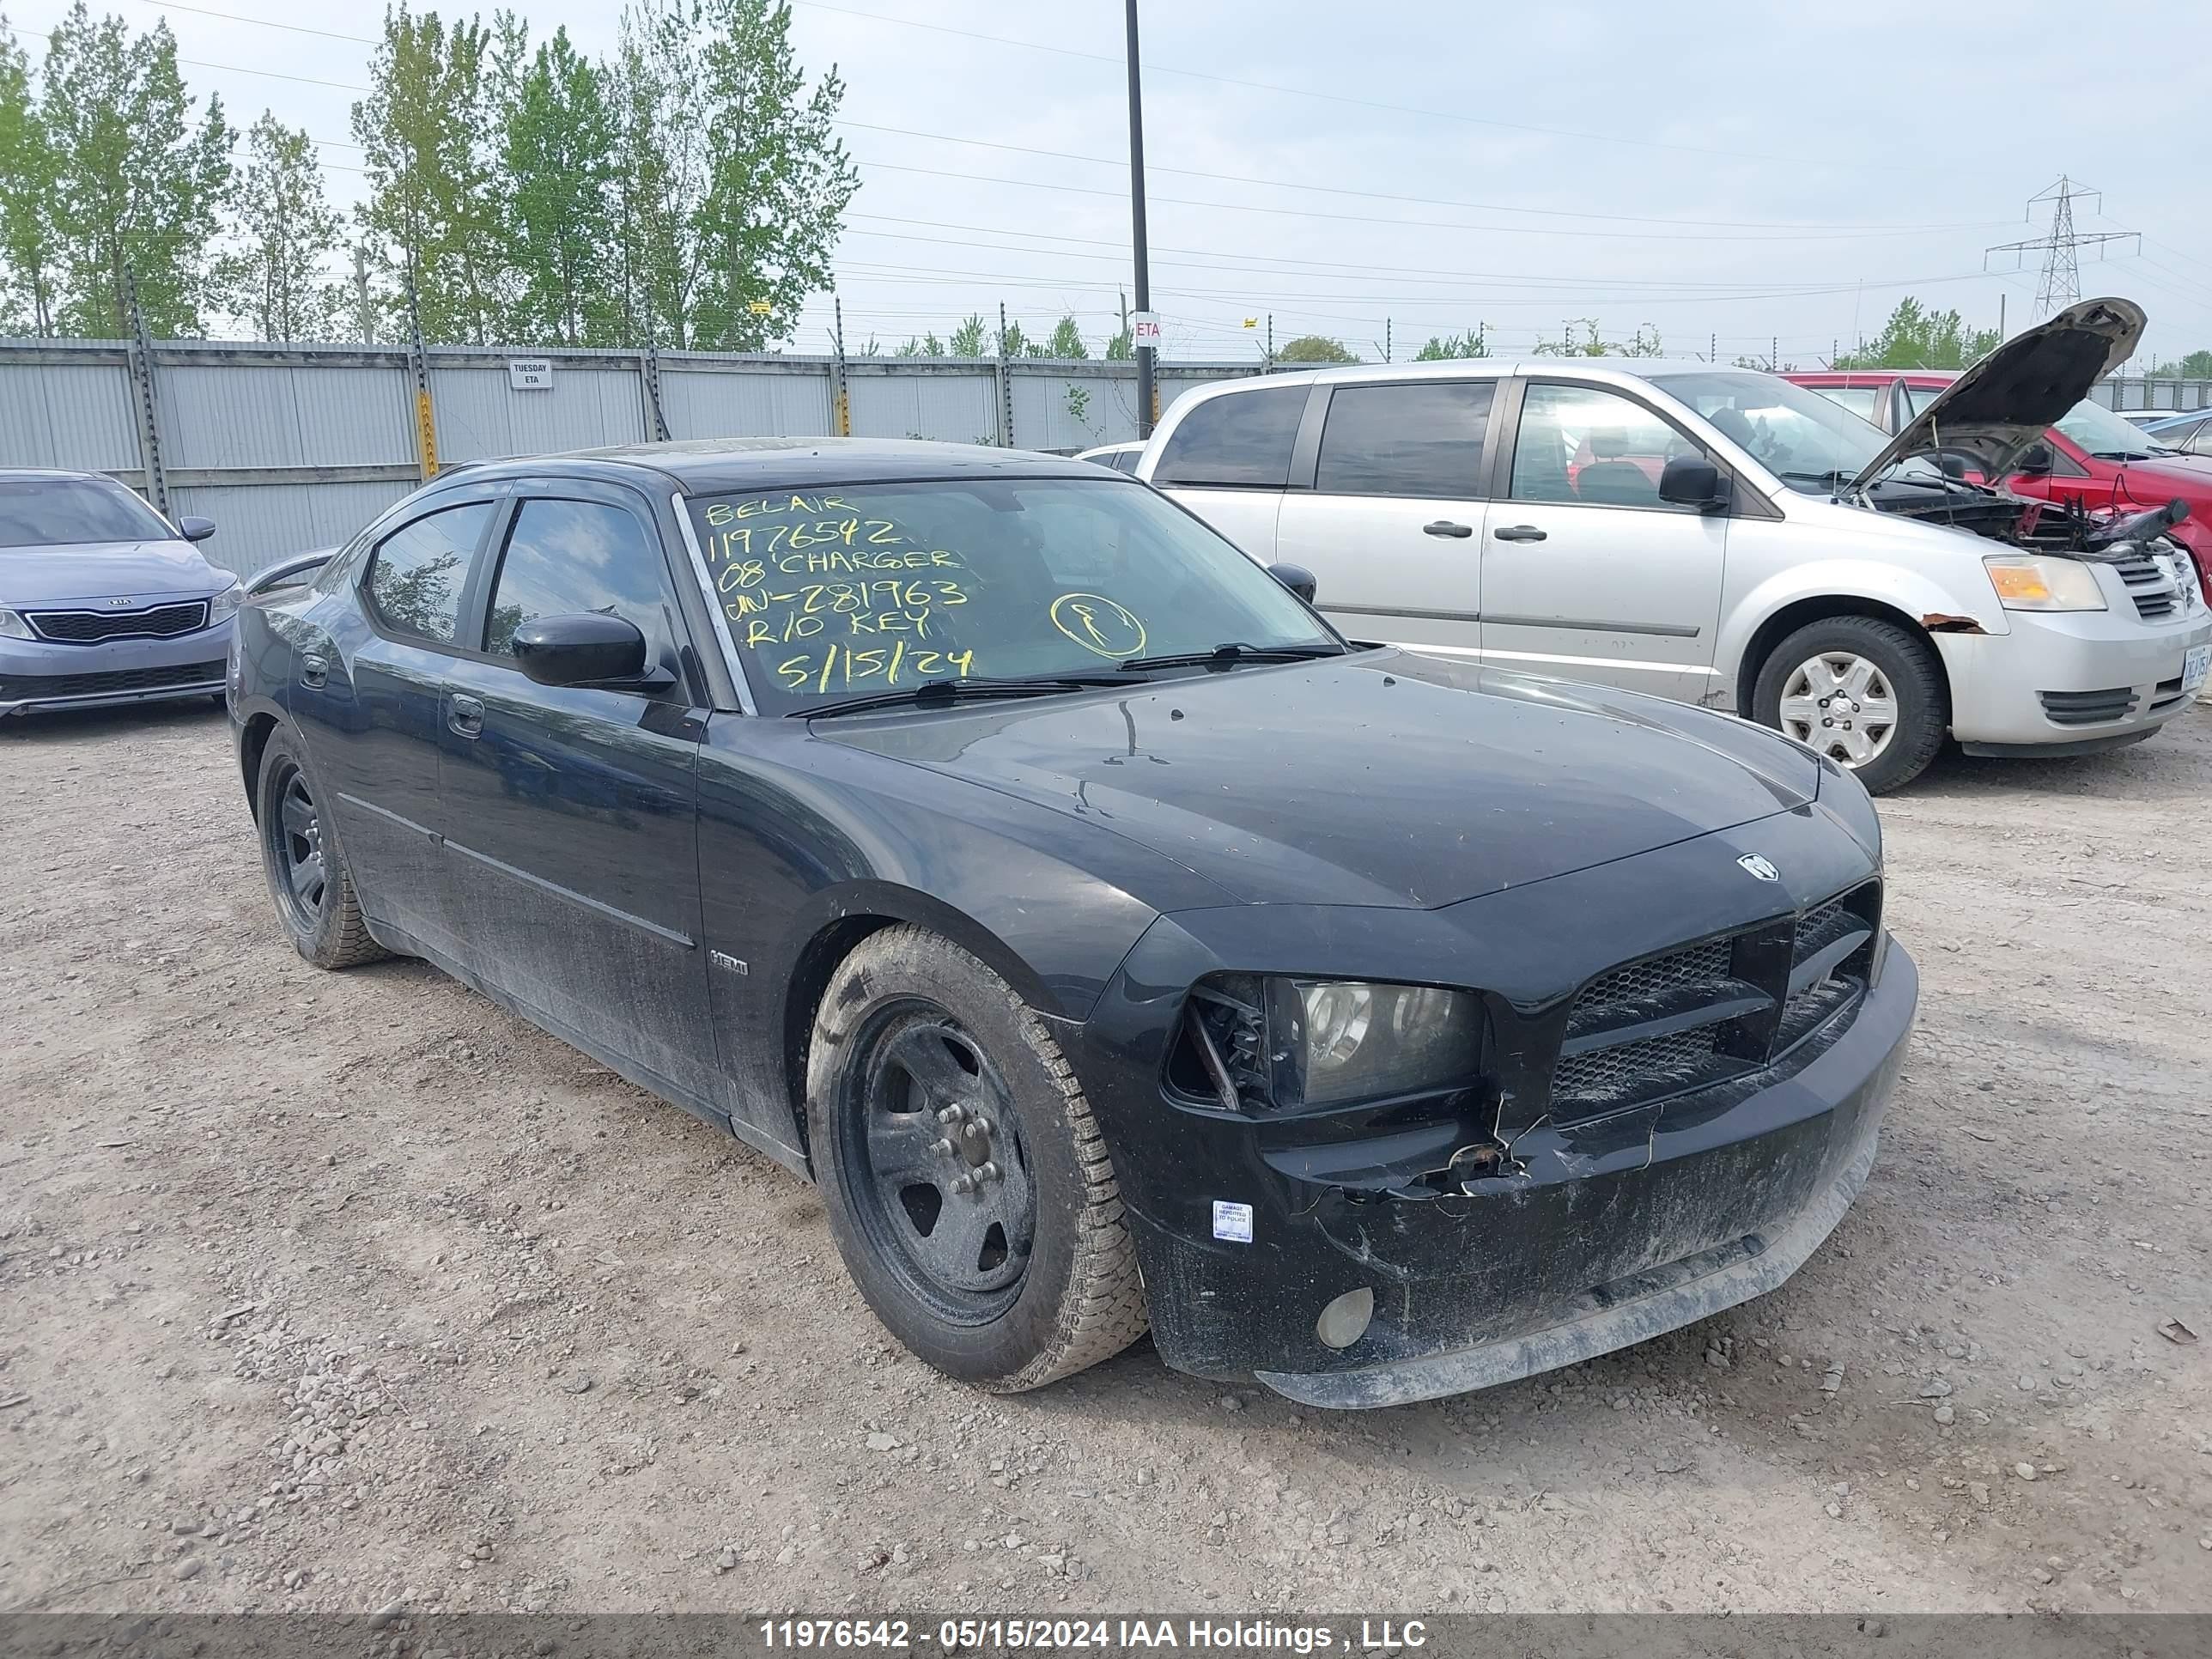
(2186, 434)
(102, 600)
(1717, 536)
(982, 836)
(2143, 416)
(1122, 458)
(2087, 454)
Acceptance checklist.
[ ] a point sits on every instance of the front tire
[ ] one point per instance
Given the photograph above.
(306, 867)
(968, 1186)
(1868, 694)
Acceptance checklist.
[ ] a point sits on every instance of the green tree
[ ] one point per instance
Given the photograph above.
(138, 186)
(1445, 348)
(1066, 341)
(1589, 343)
(276, 281)
(558, 153)
(425, 132)
(1917, 338)
(1119, 348)
(1314, 348)
(2197, 366)
(970, 339)
(734, 187)
(30, 248)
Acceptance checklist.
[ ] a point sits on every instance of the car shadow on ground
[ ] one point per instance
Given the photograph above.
(2166, 765)
(56, 726)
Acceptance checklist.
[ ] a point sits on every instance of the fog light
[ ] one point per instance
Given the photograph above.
(1344, 1320)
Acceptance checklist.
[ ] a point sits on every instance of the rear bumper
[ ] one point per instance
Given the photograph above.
(2007, 688)
(1590, 1245)
(35, 675)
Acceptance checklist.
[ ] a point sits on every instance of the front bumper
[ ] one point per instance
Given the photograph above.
(36, 675)
(1594, 1233)
(2005, 687)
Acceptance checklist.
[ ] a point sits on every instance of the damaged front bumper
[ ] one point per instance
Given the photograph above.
(1583, 1238)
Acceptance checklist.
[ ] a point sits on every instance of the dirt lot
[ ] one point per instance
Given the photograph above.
(329, 1291)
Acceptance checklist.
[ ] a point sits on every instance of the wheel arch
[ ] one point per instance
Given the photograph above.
(833, 925)
(259, 725)
(1787, 619)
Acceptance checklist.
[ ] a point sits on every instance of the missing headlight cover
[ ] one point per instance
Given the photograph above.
(1282, 1044)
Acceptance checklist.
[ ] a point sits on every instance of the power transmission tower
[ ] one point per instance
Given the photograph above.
(2061, 283)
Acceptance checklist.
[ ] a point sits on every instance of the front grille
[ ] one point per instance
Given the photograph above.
(19, 687)
(2088, 707)
(2148, 585)
(161, 621)
(2165, 695)
(1690, 1018)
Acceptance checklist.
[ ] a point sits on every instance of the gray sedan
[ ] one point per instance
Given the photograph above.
(102, 600)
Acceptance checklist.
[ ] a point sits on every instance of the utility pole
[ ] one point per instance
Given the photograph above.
(840, 394)
(1147, 396)
(2060, 285)
(2001, 321)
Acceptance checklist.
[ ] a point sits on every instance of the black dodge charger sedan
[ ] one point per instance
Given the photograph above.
(984, 838)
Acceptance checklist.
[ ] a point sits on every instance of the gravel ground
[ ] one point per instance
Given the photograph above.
(330, 1292)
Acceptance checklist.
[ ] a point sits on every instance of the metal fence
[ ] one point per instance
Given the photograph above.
(288, 447)
(2122, 391)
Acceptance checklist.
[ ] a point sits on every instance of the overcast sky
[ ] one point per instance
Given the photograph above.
(1740, 170)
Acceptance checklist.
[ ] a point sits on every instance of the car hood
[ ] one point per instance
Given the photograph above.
(1998, 409)
(1384, 778)
(103, 570)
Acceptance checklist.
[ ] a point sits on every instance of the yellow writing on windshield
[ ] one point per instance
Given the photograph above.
(1099, 624)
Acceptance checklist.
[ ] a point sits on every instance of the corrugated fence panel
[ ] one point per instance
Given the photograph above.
(481, 416)
(751, 402)
(70, 415)
(257, 525)
(952, 403)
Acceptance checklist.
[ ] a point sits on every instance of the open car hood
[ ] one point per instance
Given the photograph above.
(1992, 413)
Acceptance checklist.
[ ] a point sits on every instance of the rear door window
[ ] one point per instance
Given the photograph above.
(1860, 400)
(416, 573)
(1241, 438)
(1407, 439)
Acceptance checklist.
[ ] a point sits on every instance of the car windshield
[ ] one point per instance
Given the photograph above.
(1808, 441)
(2096, 430)
(61, 512)
(838, 593)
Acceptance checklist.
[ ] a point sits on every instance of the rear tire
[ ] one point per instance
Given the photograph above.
(306, 867)
(991, 1242)
(1869, 694)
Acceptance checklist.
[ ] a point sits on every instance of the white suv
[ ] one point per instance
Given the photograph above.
(1721, 536)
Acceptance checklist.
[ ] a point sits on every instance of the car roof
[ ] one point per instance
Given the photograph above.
(713, 466)
(14, 474)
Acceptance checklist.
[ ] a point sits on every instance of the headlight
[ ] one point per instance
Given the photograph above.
(1335, 1039)
(225, 603)
(12, 627)
(2032, 582)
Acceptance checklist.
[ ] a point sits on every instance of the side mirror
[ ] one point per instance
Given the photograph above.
(1297, 578)
(196, 530)
(1692, 481)
(2034, 461)
(590, 648)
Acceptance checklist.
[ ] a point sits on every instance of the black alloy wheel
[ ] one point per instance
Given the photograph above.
(942, 1183)
(296, 835)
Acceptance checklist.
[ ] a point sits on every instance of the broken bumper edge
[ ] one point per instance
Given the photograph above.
(1628, 1312)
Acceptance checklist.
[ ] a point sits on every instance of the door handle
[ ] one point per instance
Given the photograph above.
(464, 715)
(1446, 527)
(1518, 532)
(314, 671)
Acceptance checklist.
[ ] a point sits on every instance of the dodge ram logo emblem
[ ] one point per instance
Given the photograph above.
(1759, 867)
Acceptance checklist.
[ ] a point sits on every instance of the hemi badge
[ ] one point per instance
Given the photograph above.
(723, 959)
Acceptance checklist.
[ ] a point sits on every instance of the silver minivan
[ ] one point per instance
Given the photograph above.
(1721, 536)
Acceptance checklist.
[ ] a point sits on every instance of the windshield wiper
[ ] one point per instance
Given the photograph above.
(1233, 652)
(930, 692)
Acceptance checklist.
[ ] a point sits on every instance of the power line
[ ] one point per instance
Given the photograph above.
(2061, 284)
(1344, 98)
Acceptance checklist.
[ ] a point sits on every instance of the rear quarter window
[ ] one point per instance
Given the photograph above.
(1240, 438)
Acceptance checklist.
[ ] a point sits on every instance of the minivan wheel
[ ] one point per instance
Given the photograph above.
(967, 1184)
(1867, 693)
(306, 867)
